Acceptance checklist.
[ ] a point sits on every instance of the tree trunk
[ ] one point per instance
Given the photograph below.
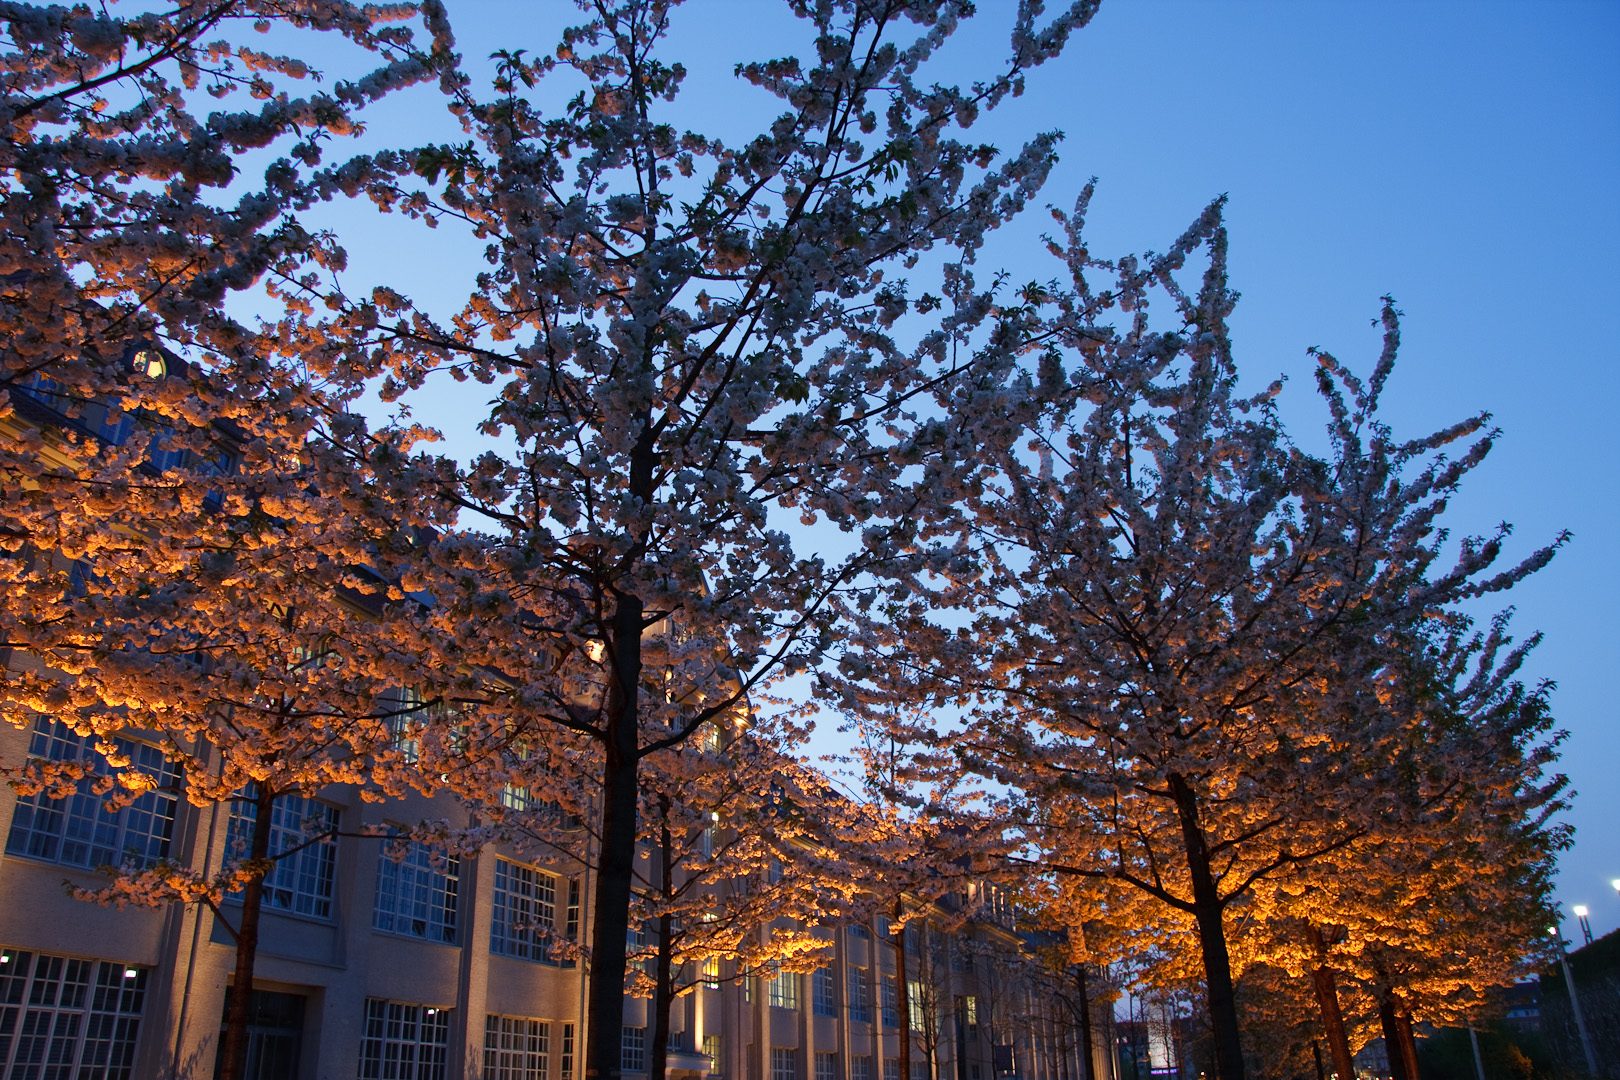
(1327, 999)
(1403, 1025)
(233, 1049)
(663, 998)
(1088, 1066)
(1392, 1035)
(1316, 1052)
(1209, 911)
(615, 866)
(664, 964)
(902, 991)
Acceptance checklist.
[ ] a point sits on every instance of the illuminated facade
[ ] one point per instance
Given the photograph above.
(382, 960)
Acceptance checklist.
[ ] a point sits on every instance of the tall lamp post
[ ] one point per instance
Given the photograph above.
(1581, 912)
(1575, 1004)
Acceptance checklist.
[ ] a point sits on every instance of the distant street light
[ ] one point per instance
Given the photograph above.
(1586, 925)
(1575, 1004)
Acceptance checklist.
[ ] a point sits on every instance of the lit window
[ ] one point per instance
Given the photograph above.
(302, 844)
(784, 1063)
(711, 973)
(711, 1050)
(79, 830)
(784, 990)
(524, 913)
(516, 1048)
(404, 1041)
(416, 893)
(74, 1017)
(914, 1004)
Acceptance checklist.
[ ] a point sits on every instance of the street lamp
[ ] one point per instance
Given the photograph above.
(1586, 925)
(1575, 1005)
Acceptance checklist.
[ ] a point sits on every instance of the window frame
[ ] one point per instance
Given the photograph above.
(310, 872)
(85, 1013)
(507, 937)
(633, 1049)
(784, 1063)
(860, 997)
(782, 991)
(415, 872)
(824, 992)
(528, 1059)
(81, 820)
(428, 1042)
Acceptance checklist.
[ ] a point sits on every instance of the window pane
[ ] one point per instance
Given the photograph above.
(404, 1041)
(66, 1017)
(524, 915)
(300, 882)
(634, 1057)
(416, 893)
(80, 830)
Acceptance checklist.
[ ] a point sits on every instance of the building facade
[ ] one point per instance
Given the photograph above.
(385, 960)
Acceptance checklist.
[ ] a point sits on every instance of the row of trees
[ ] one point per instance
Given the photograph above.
(1214, 681)
(685, 335)
(1224, 685)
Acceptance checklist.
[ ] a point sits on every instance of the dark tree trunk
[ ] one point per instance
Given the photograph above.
(664, 964)
(1392, 1034)
(233, 1049)
(1316, 1052)
(902, 992)
(1403, 1024)
(1327, 999)
(1210, 912)
(1084, 998)
(616, 864)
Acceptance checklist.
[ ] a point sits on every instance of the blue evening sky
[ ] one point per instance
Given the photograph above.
(1463, 157)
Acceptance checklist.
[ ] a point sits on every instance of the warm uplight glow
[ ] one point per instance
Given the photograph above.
(130, 973)
(1580, 911)
(149, 362)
